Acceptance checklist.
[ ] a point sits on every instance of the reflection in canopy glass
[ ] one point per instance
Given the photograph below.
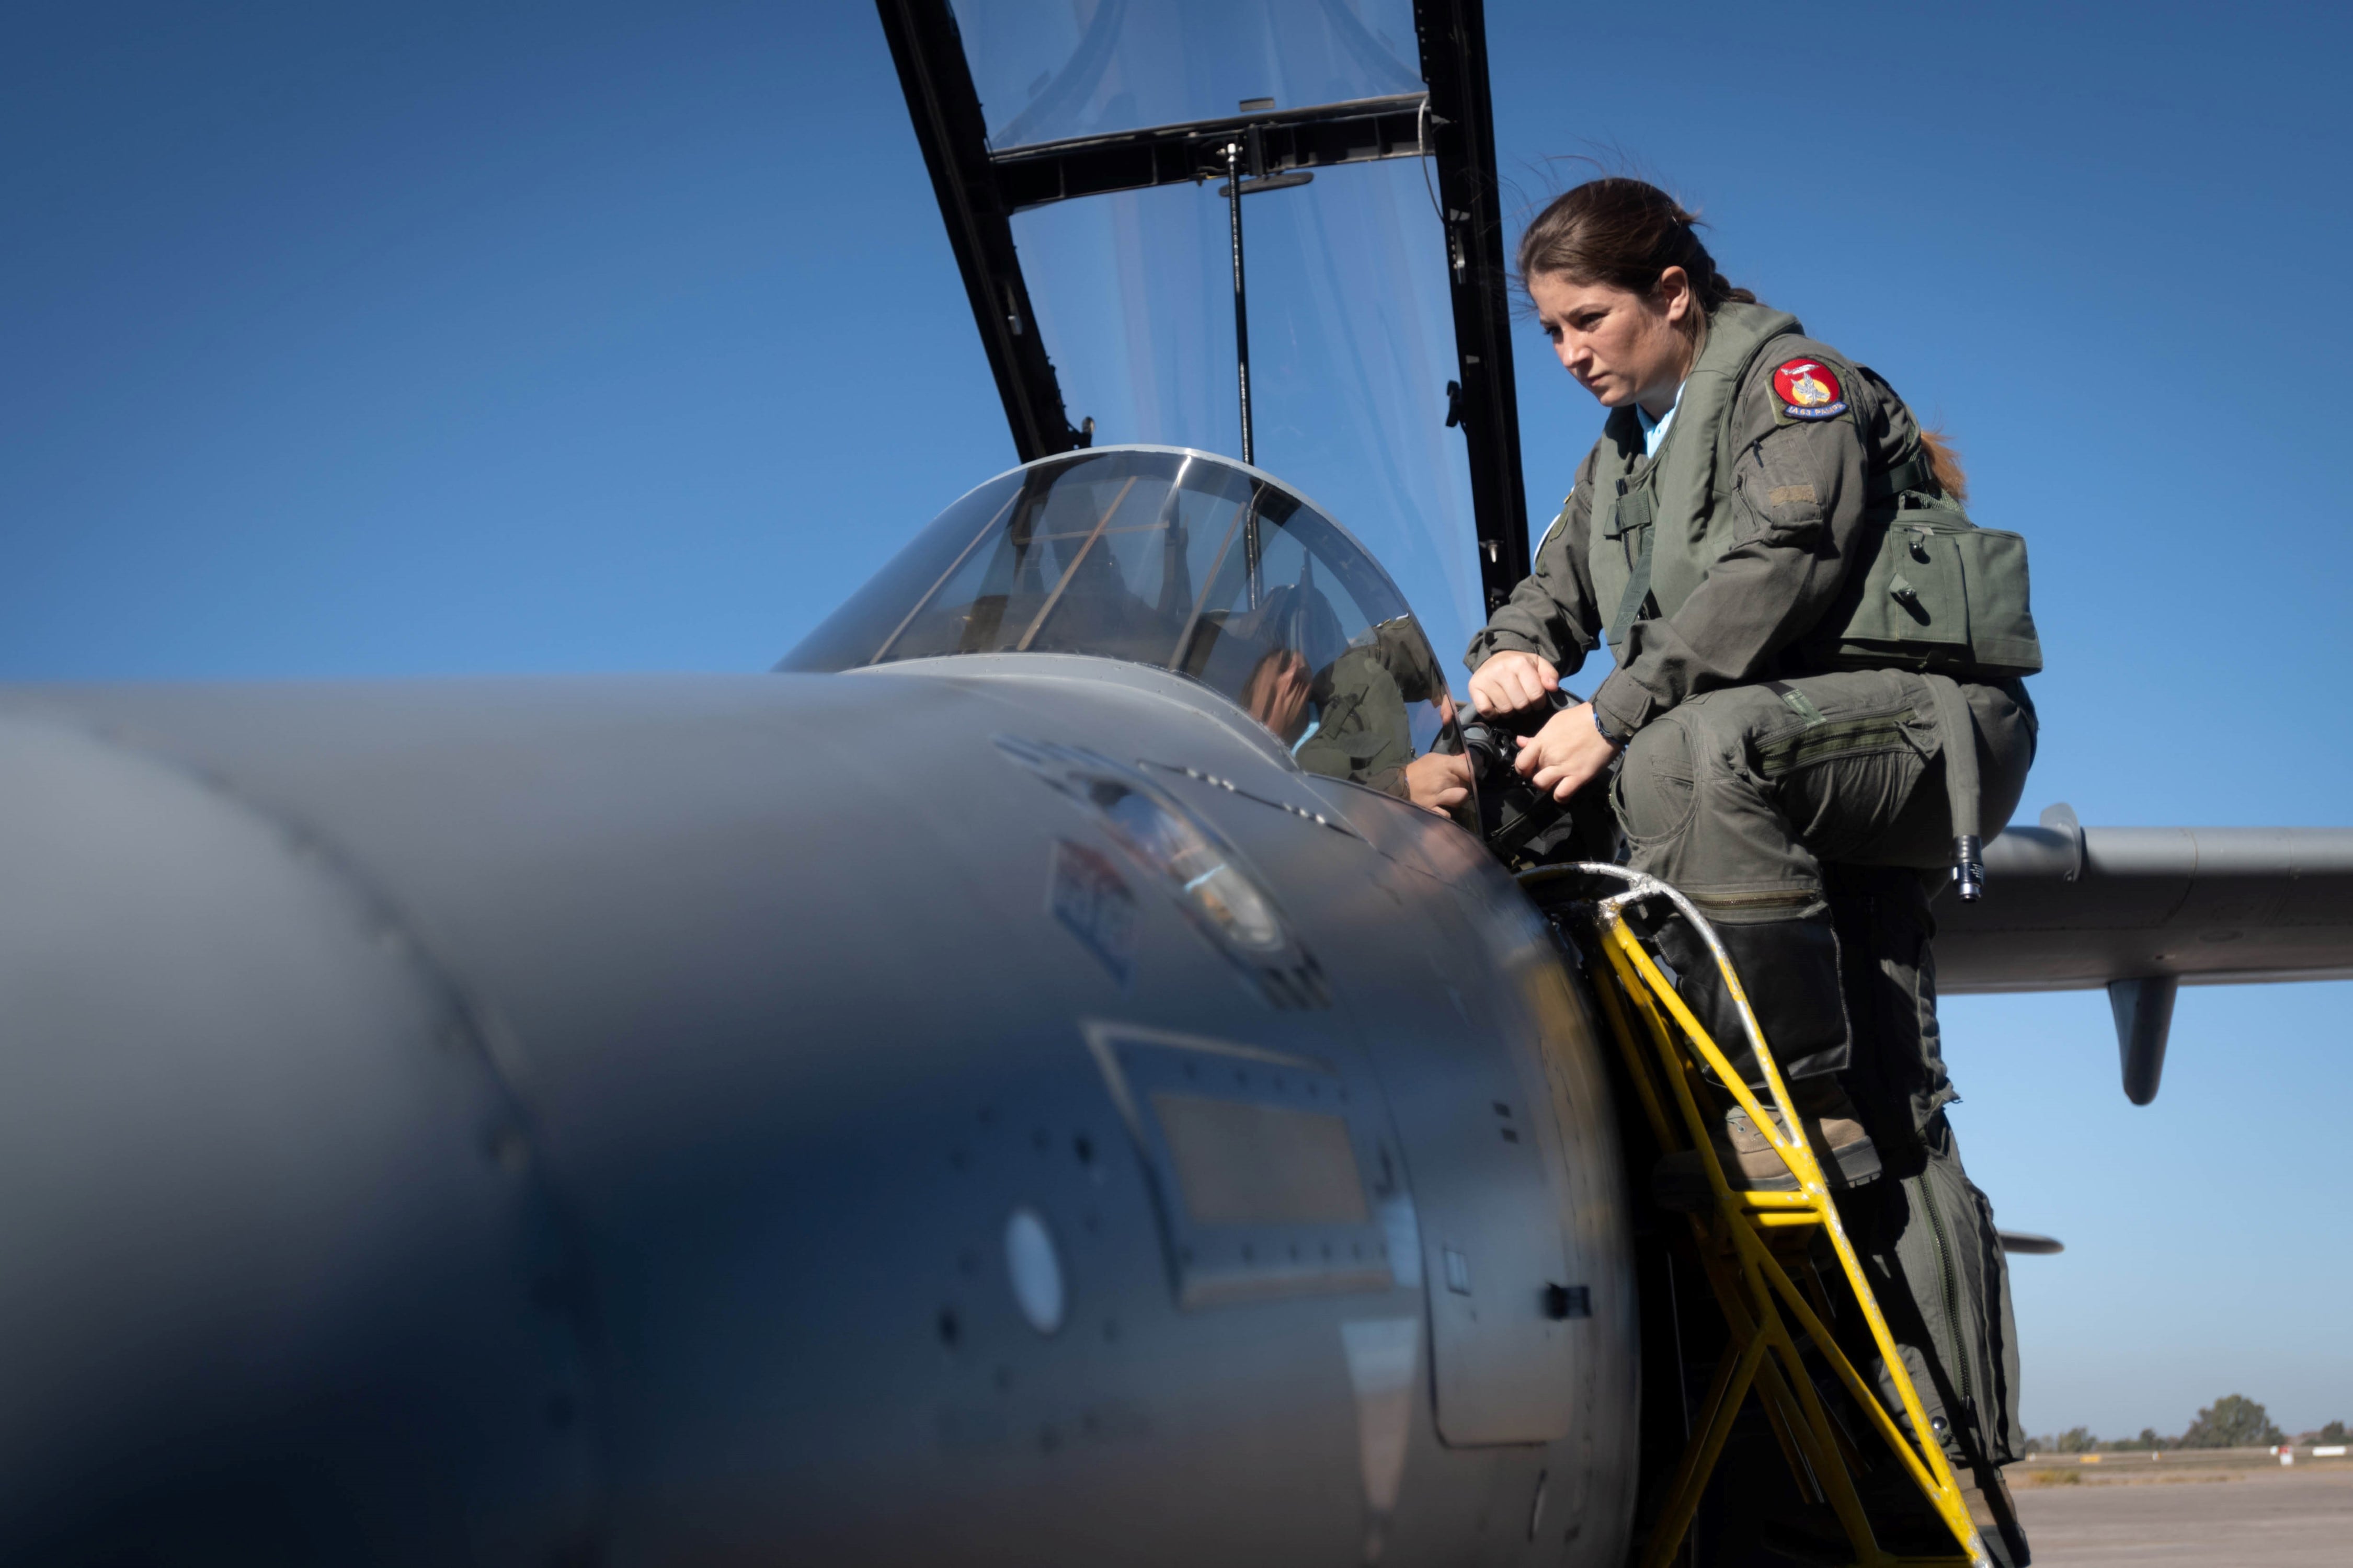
(1047, 72)
(1179, 559)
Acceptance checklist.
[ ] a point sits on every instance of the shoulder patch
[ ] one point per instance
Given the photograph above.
(1808, 389)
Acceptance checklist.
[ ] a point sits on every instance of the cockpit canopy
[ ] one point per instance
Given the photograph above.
(1176, 559)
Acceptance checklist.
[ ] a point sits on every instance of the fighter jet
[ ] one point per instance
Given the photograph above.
(1022, 1082)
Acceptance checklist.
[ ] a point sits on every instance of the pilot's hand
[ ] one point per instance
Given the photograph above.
(1511, 680)
(1567, 754)
(1436, 782)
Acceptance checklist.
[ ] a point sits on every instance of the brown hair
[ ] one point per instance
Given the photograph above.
(1945, 463)
(1624, 233)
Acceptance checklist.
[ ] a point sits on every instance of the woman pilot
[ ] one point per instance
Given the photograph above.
(1784, 759)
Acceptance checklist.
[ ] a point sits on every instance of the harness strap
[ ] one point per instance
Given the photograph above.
(1957, 734)
(1913, 473)
(1637, 511)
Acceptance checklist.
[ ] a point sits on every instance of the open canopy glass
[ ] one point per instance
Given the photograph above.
(1051, 72)
(1082, 153)
(1350, 343)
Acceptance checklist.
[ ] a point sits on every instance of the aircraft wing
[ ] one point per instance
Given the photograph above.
(2144, 910)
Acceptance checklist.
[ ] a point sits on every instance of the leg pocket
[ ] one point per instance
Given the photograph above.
(1654, 791)
(1845, 785)
(1895, 731)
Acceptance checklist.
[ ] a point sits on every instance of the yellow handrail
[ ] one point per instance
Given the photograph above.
(1749, 1281)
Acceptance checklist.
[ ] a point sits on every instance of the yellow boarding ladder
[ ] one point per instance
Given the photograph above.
(1746, 1241)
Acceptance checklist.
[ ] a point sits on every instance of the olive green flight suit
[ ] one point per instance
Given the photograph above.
(1801, 806)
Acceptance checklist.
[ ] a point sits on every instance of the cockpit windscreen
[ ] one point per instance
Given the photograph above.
(1179, 560)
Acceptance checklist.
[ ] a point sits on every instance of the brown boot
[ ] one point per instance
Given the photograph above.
(1832, 1127)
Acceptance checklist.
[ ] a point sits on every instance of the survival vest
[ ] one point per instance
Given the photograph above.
(1925, 589)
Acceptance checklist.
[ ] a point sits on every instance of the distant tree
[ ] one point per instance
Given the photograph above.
(2147, 1440)
(2076, 1440)
(2037, 1445)
(2332, 1433)
(2233, 1421)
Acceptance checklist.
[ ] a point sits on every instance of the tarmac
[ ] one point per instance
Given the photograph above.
(2241, 1517)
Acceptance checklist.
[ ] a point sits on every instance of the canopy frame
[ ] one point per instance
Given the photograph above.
(1451, 123)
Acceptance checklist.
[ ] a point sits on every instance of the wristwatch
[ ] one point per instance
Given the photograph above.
(1603, 730)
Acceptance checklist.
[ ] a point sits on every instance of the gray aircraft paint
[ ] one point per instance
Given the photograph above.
(516, 1119)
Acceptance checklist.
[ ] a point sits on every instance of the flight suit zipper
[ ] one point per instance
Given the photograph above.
(1822, 741)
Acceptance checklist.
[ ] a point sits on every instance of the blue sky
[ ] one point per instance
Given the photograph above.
(535, 338)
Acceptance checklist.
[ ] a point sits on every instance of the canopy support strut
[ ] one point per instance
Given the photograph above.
(1241, 300)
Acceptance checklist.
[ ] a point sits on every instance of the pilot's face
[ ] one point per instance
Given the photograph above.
(1622, 347)
(1277, 691)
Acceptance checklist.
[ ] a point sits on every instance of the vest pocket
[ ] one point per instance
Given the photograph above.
(2002, 623)
(1932, 591)
(1916, 597)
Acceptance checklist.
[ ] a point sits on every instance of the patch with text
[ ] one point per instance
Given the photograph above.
(1809, 390)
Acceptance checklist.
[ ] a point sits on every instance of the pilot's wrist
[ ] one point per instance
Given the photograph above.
(1615, 743)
